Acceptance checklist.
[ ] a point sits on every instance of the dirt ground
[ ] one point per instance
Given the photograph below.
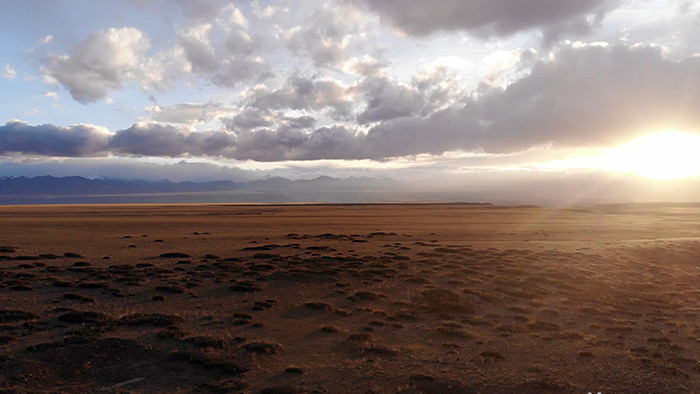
(388, 298)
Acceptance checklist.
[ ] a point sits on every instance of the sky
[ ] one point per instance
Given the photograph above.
(406, 89)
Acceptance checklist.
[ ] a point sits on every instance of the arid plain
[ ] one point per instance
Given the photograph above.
(349, 298)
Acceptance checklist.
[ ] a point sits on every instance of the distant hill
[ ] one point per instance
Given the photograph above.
(79, 186)
(76, 189)
(80, 190)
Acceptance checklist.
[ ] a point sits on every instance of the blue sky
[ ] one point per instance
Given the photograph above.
(405, 89)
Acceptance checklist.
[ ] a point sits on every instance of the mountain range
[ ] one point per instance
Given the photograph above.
(77, 185)
(76, 189)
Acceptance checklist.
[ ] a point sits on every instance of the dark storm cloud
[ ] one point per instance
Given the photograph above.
(490, 17)
(581, 96)
(49, 140)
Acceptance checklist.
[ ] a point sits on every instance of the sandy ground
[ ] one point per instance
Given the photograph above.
(356, 298)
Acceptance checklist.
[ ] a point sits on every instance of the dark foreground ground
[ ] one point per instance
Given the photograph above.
(364, 298)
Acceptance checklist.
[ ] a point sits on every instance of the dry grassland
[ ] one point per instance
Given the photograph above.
(349, 298)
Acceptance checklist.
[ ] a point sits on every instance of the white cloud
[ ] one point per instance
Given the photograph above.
(497, 67)
(328, 37)
(364, 66)
(304, 93)
(107, 60)
(268, 11)
(9, 72)
(226, 56)
(101, 63)
(189, 113)
(162, 70)
(231, 16)
(197, 47)
(387, 100)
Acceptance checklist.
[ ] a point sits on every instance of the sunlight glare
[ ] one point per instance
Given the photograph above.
(664, 156)
(667, 155)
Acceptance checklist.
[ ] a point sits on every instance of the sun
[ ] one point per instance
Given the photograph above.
(665, 155)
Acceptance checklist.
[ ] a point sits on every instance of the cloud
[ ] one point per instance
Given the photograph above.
(251, 118)
(328, 37)
(188, 113)
(587, 96)
(304, 93)
(365, 66)
(229, 59)
(591, 95)
(438, 86)
(199, 9)
(280, 138)
(231, 17)
(581, 95)
(195, 10)
(9, 72)
(431, 88)
(49, 140)
(101, 63)
(107, 60)
(490, 17)
(198, 49)
(388, 100)
(154, 139)
(161, 71)
(292, 141)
